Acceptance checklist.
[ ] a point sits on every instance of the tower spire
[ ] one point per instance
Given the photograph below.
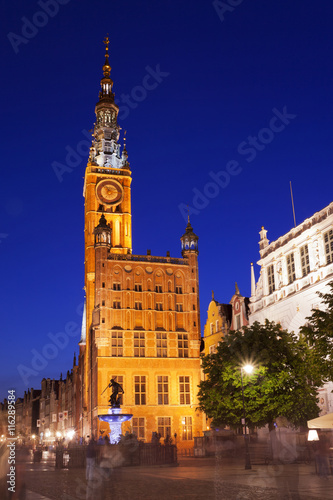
(189, 240)
(106, 82)
(253, 282)
(106, 67)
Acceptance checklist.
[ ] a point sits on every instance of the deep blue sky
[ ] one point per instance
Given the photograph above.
(225, 76)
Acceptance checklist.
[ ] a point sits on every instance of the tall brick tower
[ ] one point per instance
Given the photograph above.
(142, 317)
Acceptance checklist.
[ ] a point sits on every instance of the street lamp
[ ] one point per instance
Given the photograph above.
(248, 369)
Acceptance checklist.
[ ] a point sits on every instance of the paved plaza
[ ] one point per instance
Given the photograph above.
(193, 478)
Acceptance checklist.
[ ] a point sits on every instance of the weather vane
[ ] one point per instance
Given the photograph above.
(106, 42)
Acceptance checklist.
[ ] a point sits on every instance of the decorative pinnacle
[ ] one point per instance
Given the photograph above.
(106, 67)
(106, 42)
(125, 150)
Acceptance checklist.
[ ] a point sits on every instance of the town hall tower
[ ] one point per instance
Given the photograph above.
(141, 322)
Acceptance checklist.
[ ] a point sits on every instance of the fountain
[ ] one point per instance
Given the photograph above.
(114, 417)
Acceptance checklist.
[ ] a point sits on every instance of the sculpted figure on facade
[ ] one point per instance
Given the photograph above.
(316, 254)
(279, 278)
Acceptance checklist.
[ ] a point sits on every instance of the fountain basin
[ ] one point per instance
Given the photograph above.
(115, 418)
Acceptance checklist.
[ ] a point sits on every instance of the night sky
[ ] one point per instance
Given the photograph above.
(240, 93)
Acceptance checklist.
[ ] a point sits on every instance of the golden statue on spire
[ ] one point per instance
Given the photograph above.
(106, 67)
(106, 42)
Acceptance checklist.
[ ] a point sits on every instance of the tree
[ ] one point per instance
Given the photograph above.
(278, 386)
(318, 333)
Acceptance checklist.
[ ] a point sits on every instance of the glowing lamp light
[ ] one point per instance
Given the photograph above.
(70, 434)
(33, 436)
(313, 435)
(58, 434)
(248, 368)
(47, 434)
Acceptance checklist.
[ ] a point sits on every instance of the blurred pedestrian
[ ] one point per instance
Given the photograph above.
(322, 453)
(90, 459)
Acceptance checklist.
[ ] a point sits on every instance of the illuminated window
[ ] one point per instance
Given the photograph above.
(138, 427)
(211, 328)
(305, 263)
(139, 344)
(186, 428)
(217, 325)
(116, 344)
(164, 426)
(162, 390)
(140, 390)
(161, 345)
(184, 391)
(271, 280)
(328, 242)
(212, 349)
(291, 268)
(238, 322)
(182, 345)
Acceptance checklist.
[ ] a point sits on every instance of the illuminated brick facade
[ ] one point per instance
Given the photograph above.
(142, 319)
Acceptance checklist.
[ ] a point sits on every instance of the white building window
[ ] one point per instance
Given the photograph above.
(291, 268)
(184, 390)
(117, 344)
(328, 240)
(138, 427)
(238, 322)
(161, 345)
(305, 263)
(182, 345)
(164, 426)
(186, 428)
(163, 390)
(271, 280)
(140, 389)
(212, 349)
(139, 344)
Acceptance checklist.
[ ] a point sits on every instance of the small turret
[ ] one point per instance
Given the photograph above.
(102, 233)
(264, 242)
(189, 240)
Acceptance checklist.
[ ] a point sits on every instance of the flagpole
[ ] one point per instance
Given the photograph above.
(292, 202)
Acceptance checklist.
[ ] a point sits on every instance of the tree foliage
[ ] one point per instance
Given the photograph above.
(318, 333)
(282, 383)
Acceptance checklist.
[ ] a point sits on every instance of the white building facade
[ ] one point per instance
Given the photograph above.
(292, 270)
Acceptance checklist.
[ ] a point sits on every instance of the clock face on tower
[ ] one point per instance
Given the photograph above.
(109, 192)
